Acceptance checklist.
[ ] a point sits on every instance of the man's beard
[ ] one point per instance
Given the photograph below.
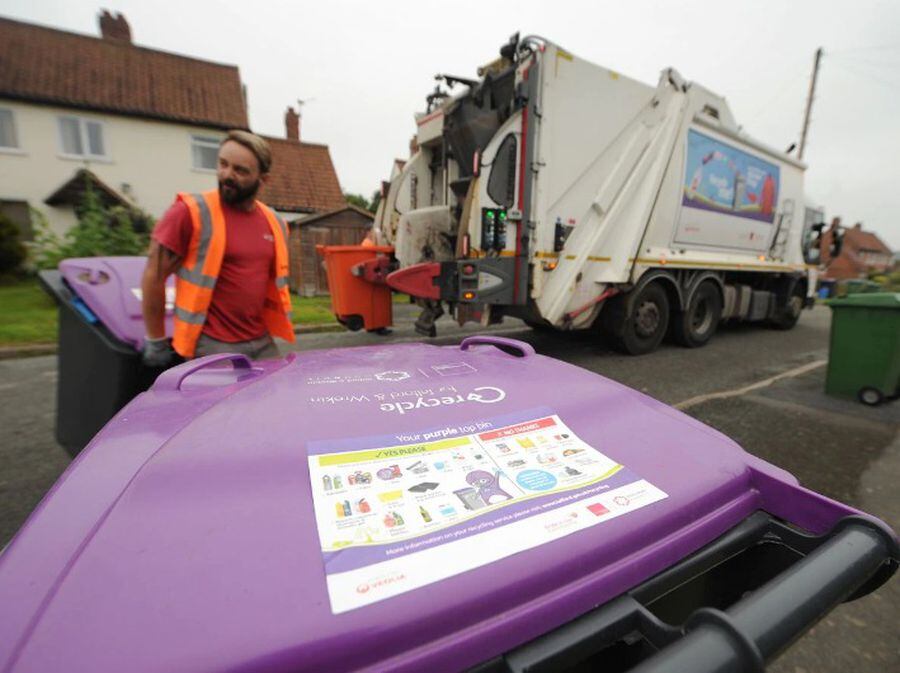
(232, 194)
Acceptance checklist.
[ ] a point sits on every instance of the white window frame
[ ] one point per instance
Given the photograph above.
(85, 142)
(17, 148)
(205, 141)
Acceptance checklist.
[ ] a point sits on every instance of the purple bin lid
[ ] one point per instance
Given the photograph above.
(188, 536)
(111, 288)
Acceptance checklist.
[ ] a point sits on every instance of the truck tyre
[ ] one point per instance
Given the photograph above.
(787, 316)
(636, 324)
(695, 326)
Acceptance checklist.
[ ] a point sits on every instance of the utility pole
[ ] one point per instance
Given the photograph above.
(809, 101)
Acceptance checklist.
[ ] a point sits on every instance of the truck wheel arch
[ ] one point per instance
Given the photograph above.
(668, 282)
(698, 280)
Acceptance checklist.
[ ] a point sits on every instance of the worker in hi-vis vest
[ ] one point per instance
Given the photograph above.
(230, 257)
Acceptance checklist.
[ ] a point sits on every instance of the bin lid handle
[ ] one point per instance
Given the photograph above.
(523, 350)
(172, 379)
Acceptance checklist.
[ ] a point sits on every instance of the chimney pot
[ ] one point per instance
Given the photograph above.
(292, 124)
(114, 27)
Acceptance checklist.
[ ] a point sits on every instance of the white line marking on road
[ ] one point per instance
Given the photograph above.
(797, 371)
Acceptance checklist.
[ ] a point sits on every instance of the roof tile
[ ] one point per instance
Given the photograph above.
(46, 65)
(302, 178)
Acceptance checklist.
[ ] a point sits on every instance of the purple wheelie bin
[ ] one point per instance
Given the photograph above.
(421, 508)
(101, 334)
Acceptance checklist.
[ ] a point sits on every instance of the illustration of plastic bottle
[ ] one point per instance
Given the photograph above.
(389, 521)
(397, 518)
(425, 515)
(326, 482)
(351, 480)
(347, 510)
(339, 509)
(337, 482)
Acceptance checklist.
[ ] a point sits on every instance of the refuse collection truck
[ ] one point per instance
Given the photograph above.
(566, 194)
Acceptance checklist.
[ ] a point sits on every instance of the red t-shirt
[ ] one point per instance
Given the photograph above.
(236, 311)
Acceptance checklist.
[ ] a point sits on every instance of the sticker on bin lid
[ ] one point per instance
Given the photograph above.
(394, 516)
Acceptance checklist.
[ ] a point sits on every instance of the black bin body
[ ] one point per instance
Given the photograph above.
(98, 373)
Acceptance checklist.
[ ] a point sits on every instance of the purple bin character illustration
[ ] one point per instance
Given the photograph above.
(488, 486)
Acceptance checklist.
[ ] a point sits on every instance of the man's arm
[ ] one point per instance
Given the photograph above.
(161, 264)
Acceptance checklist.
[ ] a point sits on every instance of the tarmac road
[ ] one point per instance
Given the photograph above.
(839, 448)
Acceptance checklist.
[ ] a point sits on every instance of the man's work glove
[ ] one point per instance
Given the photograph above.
(158, 353)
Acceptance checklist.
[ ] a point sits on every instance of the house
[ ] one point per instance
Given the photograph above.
(347, 225)
(143, 124)
(862, 253)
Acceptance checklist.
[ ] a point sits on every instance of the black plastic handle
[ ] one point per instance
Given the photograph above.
(761, 625)
(855, 556)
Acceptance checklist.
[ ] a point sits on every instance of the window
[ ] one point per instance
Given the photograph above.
(81, 137)
(8, 137)
(502, 181)
(205, 153)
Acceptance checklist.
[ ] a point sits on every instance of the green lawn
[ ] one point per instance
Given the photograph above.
(317, 310)
(312, 311)
(28, 315)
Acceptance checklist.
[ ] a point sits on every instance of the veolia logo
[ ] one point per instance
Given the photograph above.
(481, 395)
(379, 583)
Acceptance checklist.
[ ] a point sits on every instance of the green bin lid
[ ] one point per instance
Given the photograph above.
(869, 300)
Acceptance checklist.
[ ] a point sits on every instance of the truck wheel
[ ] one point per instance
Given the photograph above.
(636, 324)
(787, 316)
(694, 326)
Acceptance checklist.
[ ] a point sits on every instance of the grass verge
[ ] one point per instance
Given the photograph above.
(28, 314)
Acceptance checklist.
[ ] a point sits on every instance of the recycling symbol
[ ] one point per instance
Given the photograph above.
(392, 376)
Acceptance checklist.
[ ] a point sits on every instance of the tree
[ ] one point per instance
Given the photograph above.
(101, 231)
(376, 199)
(357, 200)
(12, 251)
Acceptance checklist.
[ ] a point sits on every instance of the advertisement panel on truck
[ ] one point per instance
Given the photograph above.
(729, 197)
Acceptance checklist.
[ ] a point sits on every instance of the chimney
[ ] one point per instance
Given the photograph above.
(114, 27)
(858, 226)
(292, 124)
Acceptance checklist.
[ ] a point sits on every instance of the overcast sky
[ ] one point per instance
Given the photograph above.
(366, 67)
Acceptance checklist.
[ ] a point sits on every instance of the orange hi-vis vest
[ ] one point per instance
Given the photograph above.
(200, 268)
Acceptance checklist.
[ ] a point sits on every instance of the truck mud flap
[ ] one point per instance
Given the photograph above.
(731, 606)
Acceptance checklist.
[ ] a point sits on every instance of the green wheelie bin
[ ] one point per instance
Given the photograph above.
(864, 355)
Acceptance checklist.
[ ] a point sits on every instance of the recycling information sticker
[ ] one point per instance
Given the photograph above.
(392, 518)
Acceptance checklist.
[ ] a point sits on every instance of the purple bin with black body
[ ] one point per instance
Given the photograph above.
(421, 508)
(101, 334)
